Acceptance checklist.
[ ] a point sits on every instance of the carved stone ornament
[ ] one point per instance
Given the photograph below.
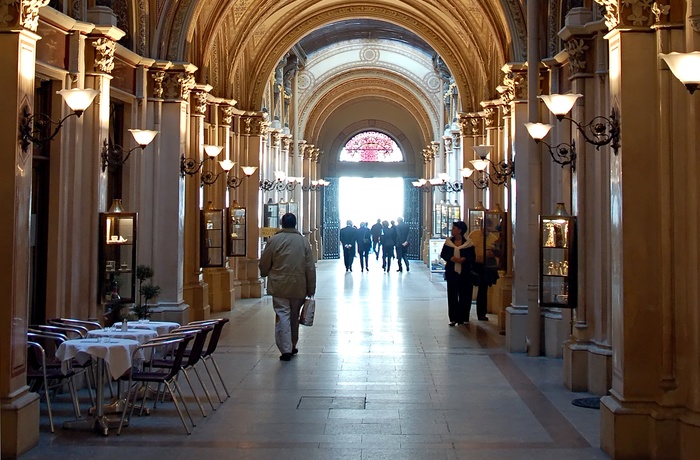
(474, 126)
(457, 140)
(661, 12)
(247, 121)
(507, 95)
(447, 140)
(612, 18)
(200, 102)
(634, 13)
(301, 148)
(435, 147)
(316, 155)
(158, 78)
(177, 85)
(577, 49)
(490, 117)
(104, 54)
(286, 142)
(227, 112)
(24, 13)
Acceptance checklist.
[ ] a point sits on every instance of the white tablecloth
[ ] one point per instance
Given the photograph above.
(116, 353)
(140, 335)
(161, 327)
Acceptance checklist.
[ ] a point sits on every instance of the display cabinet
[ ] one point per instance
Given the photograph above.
(212, 237)
(441, 219)
(117, 256)
(236, 231)
(271, 214)
(282, 209)
(294, 209)
(494, 225)
(558, 267)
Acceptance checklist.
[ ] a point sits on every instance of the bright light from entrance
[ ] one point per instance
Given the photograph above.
(368, 199)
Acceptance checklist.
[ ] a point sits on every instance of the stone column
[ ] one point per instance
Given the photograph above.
(222, 290)
(253, 128)
(654, 395)
(19, 409)
(171, 87)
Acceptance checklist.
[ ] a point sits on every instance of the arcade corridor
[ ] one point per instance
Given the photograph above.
(379, 376)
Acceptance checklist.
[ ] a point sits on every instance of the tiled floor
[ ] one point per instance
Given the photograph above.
(380, 375)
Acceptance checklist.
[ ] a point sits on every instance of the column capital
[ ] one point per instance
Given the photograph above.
(200, 95)
(179, 81)
(642, 14)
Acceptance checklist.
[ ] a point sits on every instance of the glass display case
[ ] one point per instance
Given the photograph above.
(212, 238)
(441, 219)
(282, 209)
(294, 209)
(558, 280)
(454, 213)
(271, 214)
(494, 224)
(236, 231)
(117, 255)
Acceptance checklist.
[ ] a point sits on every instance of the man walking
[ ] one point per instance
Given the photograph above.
(291, 277)
(376, 232)
(364, 242)
(348, 236)
(402, 243)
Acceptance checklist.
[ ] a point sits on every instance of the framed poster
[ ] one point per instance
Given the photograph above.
(437, 265)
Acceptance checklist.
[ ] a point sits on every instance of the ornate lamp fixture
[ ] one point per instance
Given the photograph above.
(501, 170)
(115, 155)
(209, 178)
(442, 183)
(686, 68)
(33, 128)
(599, 131)
(191, 166)
(315, 186)
(563, 154)
(281, 183)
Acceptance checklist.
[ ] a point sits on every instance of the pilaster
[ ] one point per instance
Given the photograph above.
(169, 110)
(19, 409)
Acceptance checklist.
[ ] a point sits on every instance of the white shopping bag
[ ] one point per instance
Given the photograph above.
(306, 316)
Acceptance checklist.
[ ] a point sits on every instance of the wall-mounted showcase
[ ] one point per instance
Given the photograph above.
(494, 224)
(212, 237)
(117, 256)
(558, 267)
(236, 231)
(444, 214)
(271, 214)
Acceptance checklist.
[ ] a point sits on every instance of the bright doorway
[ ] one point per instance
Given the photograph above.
(366, 199)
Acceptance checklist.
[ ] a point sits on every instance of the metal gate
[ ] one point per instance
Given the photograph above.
(411, 215)
(330, 225)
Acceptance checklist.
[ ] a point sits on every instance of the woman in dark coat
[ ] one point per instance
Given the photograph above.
(459, 255)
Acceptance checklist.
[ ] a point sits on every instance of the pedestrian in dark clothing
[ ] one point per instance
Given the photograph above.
(402, 244)
(364, 243)
(388, 240)
(376, 232)
(348, 235)
(459, 255)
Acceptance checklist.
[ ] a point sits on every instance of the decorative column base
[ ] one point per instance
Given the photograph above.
(197, 296)
(500, 297)
(20, 424)
(516, 329)
(221, 288)
(174, 312)
(647, 430)
(587, 367)
(251, 283)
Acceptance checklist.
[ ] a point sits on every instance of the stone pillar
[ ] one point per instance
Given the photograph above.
(655, 376)
(171, 87)
(19, 409)
(253, 128)
(222, 292)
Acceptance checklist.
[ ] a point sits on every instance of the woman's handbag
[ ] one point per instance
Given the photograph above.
(306, 316)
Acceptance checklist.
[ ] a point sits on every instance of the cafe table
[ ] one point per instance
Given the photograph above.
(140, 335)
(161, 327)
(115, 353)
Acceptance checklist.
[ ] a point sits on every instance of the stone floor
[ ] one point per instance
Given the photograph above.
(380, 375)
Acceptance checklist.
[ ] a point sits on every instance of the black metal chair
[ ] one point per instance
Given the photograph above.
(192, 356)
(208, 354)
(41, 375)
(145, 375)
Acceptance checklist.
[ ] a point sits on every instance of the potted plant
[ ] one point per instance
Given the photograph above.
(147, 291)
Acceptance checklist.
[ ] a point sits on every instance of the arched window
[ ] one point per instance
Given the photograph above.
(371, 146)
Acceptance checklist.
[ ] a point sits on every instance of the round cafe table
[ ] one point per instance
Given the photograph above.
(117, 354)
(161, 327)
(140, 335)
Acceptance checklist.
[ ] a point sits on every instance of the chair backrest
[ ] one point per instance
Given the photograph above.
(49, 341)
(195, 353)
(87, 324)
(215, 335)
(72, 332)
(36, 359)
(163, 346)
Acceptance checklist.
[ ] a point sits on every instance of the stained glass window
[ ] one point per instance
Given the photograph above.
(371, 146)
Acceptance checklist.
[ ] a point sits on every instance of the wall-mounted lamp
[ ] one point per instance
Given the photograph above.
(442, 183)
(281, 182)
(599, 131)
(208, 177)
(316, 185)
(115, 155)
(563, 154)
(32, 127)
(686, 68)
(501, 170)
(191, 166)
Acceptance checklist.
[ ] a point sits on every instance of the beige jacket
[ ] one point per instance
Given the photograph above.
(289, 265)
